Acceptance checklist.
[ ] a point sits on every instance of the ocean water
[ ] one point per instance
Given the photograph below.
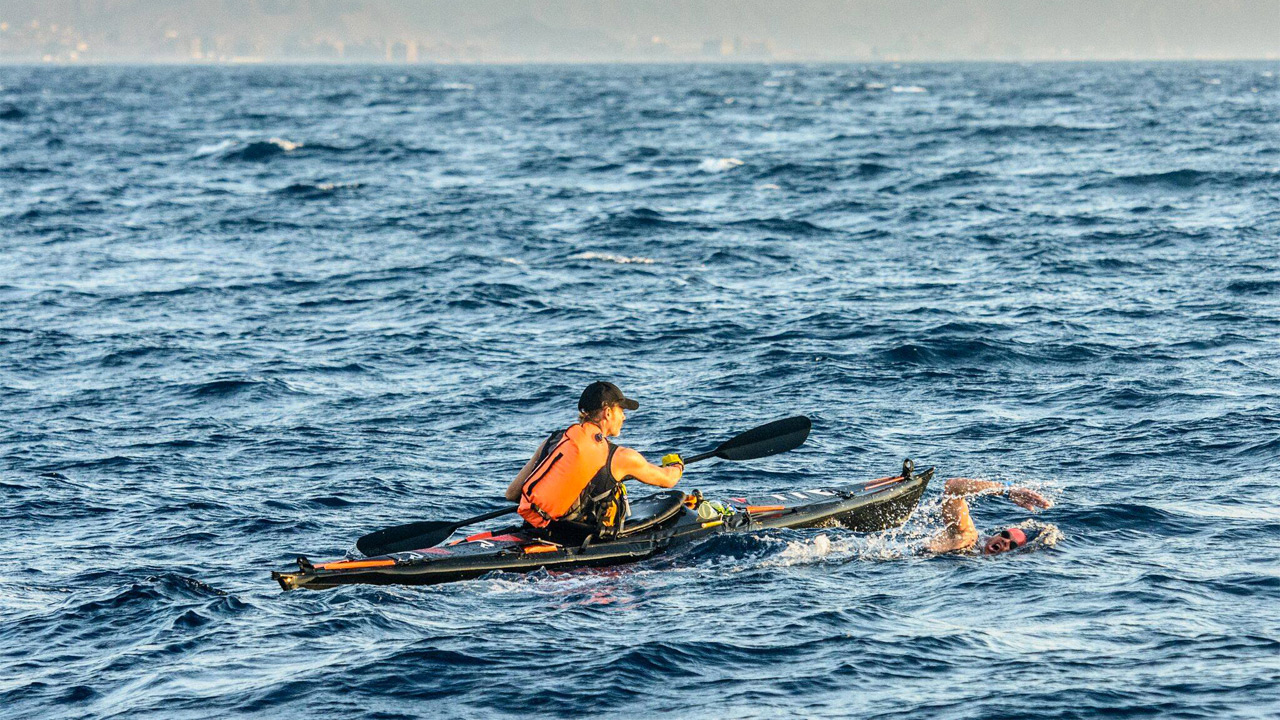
(249, 313)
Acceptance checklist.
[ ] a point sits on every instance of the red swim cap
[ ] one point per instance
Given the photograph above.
(1018, 537)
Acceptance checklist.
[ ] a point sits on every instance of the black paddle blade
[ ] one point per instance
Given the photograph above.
(776, 437)
(405, 537)
(417, 535)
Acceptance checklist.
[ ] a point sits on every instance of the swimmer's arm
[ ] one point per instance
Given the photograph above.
(964, 487)
(959, 532)
(513, 490)
(629, 463)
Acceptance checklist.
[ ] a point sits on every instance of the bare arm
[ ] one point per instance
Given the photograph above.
(513, 490)
(1029, 499)
(962, 487)
(959, 532)
(629, 463)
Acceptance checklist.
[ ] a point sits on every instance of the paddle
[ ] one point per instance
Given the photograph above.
(772, 438)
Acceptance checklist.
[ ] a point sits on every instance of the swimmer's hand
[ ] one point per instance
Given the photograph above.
(1029, 499)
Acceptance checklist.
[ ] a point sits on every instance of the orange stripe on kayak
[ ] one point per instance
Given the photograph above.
(531, 549)
(355, 564)
(882, 482)
(765, 508)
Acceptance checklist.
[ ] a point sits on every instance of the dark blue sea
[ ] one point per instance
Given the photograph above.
(251, 313)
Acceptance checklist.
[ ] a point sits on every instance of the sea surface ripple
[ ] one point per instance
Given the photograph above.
(247, 313)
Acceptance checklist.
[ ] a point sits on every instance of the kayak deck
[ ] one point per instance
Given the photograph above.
(865, 507)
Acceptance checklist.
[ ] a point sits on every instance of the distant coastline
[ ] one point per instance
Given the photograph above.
(487, 32)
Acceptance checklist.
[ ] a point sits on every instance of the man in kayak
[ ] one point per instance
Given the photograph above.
(960, 533)
(571, 489)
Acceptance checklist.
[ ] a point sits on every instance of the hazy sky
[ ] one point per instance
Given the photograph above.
(634, 30)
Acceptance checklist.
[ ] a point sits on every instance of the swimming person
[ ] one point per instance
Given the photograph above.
(960, 534)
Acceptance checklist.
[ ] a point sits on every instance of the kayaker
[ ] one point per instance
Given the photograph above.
(571, 489)
(960, 533)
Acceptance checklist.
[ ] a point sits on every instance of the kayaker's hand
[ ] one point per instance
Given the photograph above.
(674, 460)
(1029, 499)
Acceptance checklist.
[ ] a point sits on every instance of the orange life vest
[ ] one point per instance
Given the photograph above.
(553, 488)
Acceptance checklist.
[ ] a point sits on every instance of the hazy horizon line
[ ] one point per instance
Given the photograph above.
(636, 62)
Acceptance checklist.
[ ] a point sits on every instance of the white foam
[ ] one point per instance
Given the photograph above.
(215, 148)
(886, 545)
(607, 257)
(805, 552)
(285, 145)
(219, 147)
(715, 165)
(909, 89)
(456, 86)
(1049, 533)
(329, 186)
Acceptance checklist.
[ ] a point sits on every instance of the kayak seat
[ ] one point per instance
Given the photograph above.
(653, 510)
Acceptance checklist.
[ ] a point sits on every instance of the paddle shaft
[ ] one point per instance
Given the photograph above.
(486, 516)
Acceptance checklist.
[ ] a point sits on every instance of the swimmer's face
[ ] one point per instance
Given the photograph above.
(998, 543)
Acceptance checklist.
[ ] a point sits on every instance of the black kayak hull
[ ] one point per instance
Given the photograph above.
(865, 507)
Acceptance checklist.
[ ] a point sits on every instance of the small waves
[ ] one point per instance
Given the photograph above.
(1267, 287)
(252, 151)
(226, 389)
(618, 259)
(1187, 179)
(311, 191)
(985, 353)
(719, 165)
(271, 149)
(782, 226)
(640, 221)
(354, 297)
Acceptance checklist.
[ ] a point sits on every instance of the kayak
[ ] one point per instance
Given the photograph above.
(656, 523)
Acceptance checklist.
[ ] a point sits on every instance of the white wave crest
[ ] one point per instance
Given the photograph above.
(844, 547)
(214, 148)
(716, 165)
(285, 145)
(606, 257)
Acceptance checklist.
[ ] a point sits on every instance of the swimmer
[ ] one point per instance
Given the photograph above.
(960, 534)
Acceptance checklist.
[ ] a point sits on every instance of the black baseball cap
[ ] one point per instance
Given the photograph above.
(600, 394)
